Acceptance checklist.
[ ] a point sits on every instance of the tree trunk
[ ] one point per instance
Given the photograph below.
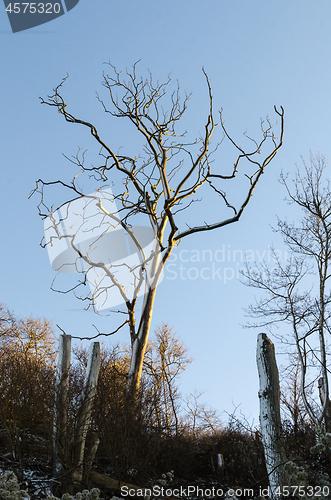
(85, 411)
(270, 421)
(327, 414)
(139, 344)
(60, 432)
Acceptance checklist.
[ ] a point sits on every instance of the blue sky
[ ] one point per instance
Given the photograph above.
(257, 54)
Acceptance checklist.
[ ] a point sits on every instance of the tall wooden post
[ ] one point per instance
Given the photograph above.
(85, 411)
(271, 427)
(60, 432)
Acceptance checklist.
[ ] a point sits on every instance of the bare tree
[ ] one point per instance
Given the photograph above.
(200, 418)
(165, 359)
(292, 404)
(26, 383)
(7, 322)
(297, 292)
(156, 187)
(29, 337)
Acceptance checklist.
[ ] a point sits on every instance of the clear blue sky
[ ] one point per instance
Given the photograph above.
(257, 54)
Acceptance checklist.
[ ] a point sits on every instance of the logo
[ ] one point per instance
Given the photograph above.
(86, 235)
(25, 15)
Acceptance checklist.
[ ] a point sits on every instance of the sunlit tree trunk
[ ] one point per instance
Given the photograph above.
(139, 343)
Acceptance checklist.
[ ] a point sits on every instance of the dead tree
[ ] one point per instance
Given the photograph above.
(270, 421)
(155, 187)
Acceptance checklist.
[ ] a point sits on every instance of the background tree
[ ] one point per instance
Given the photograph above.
(201, 419)
(165, 359)
(27, 337)
(133, 437)
(26, 385)
(292, 404)
(7, 321)
(153, 187)
(297, 292)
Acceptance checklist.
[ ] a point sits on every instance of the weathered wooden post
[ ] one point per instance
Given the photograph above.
(270, 421)
(60, 431)
(85, 411)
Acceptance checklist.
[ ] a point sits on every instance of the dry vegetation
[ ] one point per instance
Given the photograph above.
(138, 442)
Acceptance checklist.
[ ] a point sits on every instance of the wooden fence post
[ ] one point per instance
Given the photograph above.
(60, 431)
(270, 421)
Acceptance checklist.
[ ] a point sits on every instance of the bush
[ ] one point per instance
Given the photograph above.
(10, 489)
